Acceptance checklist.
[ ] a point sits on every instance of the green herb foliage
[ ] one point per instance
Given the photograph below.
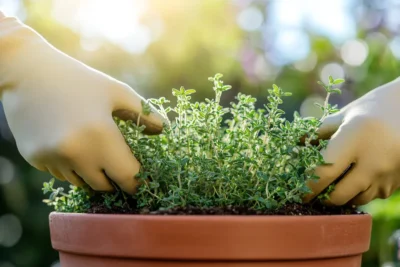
(253, 159)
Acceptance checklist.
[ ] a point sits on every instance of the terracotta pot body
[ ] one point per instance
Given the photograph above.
(220, 241)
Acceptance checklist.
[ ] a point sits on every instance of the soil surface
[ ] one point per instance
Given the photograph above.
(290, 210)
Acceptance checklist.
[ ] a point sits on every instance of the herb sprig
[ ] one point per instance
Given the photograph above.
(253, 159)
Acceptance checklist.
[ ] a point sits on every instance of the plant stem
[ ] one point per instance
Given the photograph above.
(326, 103)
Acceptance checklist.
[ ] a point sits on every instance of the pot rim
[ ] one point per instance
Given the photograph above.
(211, 237)
(207, 215)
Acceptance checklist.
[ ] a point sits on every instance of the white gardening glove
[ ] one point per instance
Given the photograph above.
(60, 112)
(367, 133)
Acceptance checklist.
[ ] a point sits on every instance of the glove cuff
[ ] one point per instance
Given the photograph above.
(2, 15)
(14, 34)
(17, 42)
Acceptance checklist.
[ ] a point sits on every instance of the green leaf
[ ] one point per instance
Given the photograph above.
(276, 88)
(320, 106)
(154, 101)
(175, 92)
(336, 91)
(218, 76)
(338, 81)
(226, 87)
(331, 79)
(146, 109)
(190, 91)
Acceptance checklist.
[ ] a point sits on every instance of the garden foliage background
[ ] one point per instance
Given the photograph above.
(155, 45)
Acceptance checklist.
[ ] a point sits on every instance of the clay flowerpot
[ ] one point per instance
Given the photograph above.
(152, 240)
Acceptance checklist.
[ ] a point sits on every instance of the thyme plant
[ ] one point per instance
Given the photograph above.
(253, 159)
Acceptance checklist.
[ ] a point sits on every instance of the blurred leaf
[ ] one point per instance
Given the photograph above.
(338, 81)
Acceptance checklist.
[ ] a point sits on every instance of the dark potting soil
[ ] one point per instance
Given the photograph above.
(290, 210)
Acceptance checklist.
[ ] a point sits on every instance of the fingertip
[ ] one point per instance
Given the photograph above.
(313, 186)
(316, 186)
(56, 173)
(120, 165)
(334, 201)
(307, 198)
(96, 180)
(74, 179)
(39, 167)
(124, 175)
(154, 122)
(364, 197)
(128, 105)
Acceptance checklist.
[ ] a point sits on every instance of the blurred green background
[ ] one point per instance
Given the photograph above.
(155, 45)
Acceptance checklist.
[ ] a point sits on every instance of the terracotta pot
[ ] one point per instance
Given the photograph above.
(152, 241)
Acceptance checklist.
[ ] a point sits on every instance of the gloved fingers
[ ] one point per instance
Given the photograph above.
(128, 106)
(55, 173)
(330, 125)
(38, 165)
(73, 178)
(365, 197)
(385, 191)
(40, 168)
(339, 154)
(95, 178)
(350, 186)
(120, 165)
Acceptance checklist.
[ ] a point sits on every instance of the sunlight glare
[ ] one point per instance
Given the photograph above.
(329, 18)
(116, 21)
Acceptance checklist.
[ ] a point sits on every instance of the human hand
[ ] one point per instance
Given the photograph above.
(60, 112)
(365, 133)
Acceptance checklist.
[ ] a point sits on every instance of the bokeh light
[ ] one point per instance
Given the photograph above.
(10, 230)
(307, 64)
(355, 74)
(250, 19)
(7, 171)
(308, 107)
(264, 70)
(332, 69)
(376, 39)
(395, 47)
(291, 45)
(354, 52)
(392, 21)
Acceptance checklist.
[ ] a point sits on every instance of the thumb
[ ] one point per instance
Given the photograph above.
(128, 105)
(330, 125)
